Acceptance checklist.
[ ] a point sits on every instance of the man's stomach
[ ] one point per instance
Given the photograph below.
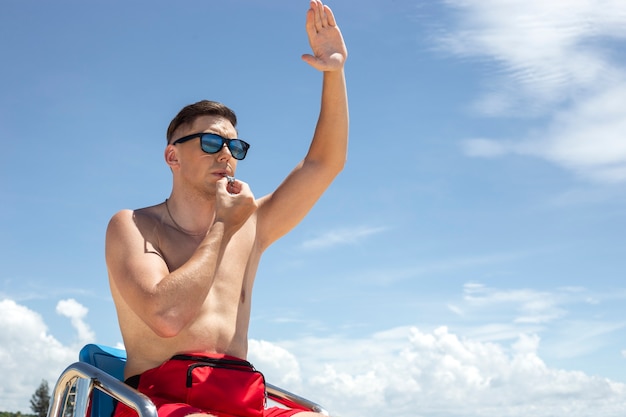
(145, 350)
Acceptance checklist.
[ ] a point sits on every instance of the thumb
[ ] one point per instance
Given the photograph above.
(222, 184)
(310, 59)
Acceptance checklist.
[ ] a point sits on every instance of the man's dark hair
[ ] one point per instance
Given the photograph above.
(202, 108)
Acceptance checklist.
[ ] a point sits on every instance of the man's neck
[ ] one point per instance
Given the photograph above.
(191, 215)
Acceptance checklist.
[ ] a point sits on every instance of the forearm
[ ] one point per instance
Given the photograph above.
(330, 141)
(180, 295)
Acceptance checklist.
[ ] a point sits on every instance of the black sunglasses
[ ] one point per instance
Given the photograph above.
(212, 143)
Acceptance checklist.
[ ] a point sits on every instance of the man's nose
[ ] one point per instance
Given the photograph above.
(224, 152)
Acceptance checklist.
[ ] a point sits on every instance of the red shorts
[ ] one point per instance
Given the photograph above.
(221, 385)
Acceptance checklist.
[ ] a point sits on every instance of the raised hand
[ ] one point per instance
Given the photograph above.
(329, 49)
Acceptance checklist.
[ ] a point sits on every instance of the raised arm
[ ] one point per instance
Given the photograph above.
(280, 211)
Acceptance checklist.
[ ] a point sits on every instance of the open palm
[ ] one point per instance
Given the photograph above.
(329, 49)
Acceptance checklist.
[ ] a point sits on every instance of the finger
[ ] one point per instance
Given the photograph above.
(233, 188)
(310, 22)
(330, 17)
(318, 8)
(232, 185)
(222, 183)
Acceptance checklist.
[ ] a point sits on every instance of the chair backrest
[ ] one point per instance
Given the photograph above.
(111, 361)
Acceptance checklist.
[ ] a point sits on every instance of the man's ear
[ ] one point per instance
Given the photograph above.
(171, 156)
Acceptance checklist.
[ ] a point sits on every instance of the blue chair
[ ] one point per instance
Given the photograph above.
(93, 384)
(111, 361)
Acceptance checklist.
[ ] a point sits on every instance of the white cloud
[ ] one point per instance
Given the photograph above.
(407, 372)
(279, 366)
(341, 237)
(28, 354)
(76, 312)
(560, 61)
(402, 372)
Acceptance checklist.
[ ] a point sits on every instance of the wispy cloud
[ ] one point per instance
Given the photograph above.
(423, 268)
(586, 137)
(527, 305)
(571, 318)
(558, 60)
(579, 337)
(344, 236)
(548, 51)
(531, 306)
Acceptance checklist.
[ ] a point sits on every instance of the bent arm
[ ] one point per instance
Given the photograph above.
(168, 300)
(165, 301)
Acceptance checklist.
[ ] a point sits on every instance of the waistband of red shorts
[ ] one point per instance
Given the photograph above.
(133, 381)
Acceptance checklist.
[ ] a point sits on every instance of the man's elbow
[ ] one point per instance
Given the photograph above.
(166, 325)
(343, 163)
(338, 165)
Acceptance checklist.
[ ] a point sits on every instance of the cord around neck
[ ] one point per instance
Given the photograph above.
(178, 226)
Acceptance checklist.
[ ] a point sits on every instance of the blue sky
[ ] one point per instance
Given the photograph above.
(469, 260)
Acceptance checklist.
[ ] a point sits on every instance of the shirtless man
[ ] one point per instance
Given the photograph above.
(181, 272)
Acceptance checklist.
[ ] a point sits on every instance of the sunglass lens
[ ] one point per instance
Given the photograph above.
(238, 148)
(212, 143)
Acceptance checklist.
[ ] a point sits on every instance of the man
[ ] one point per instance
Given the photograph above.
(181, 272)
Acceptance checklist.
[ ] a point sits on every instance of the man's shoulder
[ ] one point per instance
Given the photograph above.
(143, 219)
(144, 212)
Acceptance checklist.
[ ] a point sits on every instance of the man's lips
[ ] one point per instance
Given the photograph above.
(224, 174)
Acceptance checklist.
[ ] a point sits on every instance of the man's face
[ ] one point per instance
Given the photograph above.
(191, 163)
